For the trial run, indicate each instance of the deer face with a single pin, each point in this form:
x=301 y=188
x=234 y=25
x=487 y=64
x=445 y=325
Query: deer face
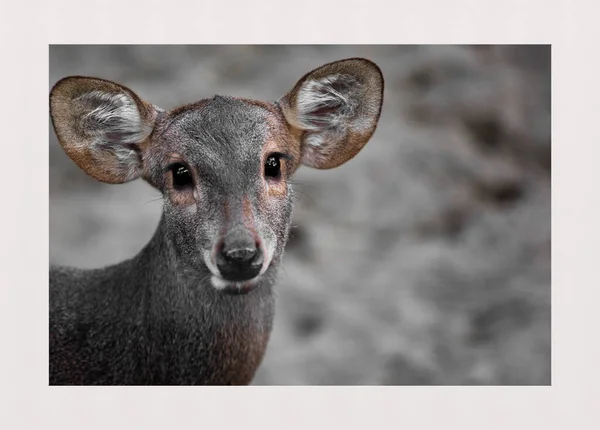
x=223 y=164
x=223 y=169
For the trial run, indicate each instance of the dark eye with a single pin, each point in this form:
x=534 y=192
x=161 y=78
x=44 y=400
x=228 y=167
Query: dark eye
x=182 y=177
x=273 y=166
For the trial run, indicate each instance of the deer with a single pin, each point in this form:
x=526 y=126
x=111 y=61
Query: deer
x=196 y=305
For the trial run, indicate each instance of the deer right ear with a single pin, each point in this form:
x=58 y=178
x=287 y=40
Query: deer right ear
x=336 y=107
x=101 y=125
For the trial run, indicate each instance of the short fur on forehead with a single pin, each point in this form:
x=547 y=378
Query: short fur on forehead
x=337 y=106
x=100 y=125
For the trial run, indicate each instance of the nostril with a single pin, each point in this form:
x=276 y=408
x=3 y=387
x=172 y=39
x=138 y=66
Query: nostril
x=240 y=255
x=258 y=259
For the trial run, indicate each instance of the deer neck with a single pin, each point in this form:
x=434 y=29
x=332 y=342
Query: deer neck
x=212 y=337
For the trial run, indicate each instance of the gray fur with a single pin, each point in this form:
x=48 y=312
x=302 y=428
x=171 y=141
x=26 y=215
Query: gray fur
x=146 y=321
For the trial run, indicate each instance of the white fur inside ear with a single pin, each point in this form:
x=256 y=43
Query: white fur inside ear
x=327 y=106
x=115 y=125
x=114 y=119
x=316 y=140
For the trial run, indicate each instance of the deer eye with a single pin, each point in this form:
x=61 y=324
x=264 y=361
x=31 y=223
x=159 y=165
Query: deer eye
x=273 y=166
x=182 y=178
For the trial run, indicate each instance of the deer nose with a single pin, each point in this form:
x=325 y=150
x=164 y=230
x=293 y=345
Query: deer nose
x=239 y=262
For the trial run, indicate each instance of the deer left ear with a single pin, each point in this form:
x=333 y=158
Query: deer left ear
x=337 y=106
x=100 y=125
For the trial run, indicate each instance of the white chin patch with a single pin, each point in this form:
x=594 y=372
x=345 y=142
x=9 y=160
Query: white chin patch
x=222 y=284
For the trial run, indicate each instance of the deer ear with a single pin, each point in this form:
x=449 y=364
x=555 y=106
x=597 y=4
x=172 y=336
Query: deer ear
x=101 y=125
x=337 y=107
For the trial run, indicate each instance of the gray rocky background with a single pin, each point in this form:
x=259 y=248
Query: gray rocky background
x=424 y=260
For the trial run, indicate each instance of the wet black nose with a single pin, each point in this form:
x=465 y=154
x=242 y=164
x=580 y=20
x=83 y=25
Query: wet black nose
x=239 y=263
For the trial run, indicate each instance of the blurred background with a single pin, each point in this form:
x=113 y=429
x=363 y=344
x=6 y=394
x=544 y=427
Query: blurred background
x=424 y=260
